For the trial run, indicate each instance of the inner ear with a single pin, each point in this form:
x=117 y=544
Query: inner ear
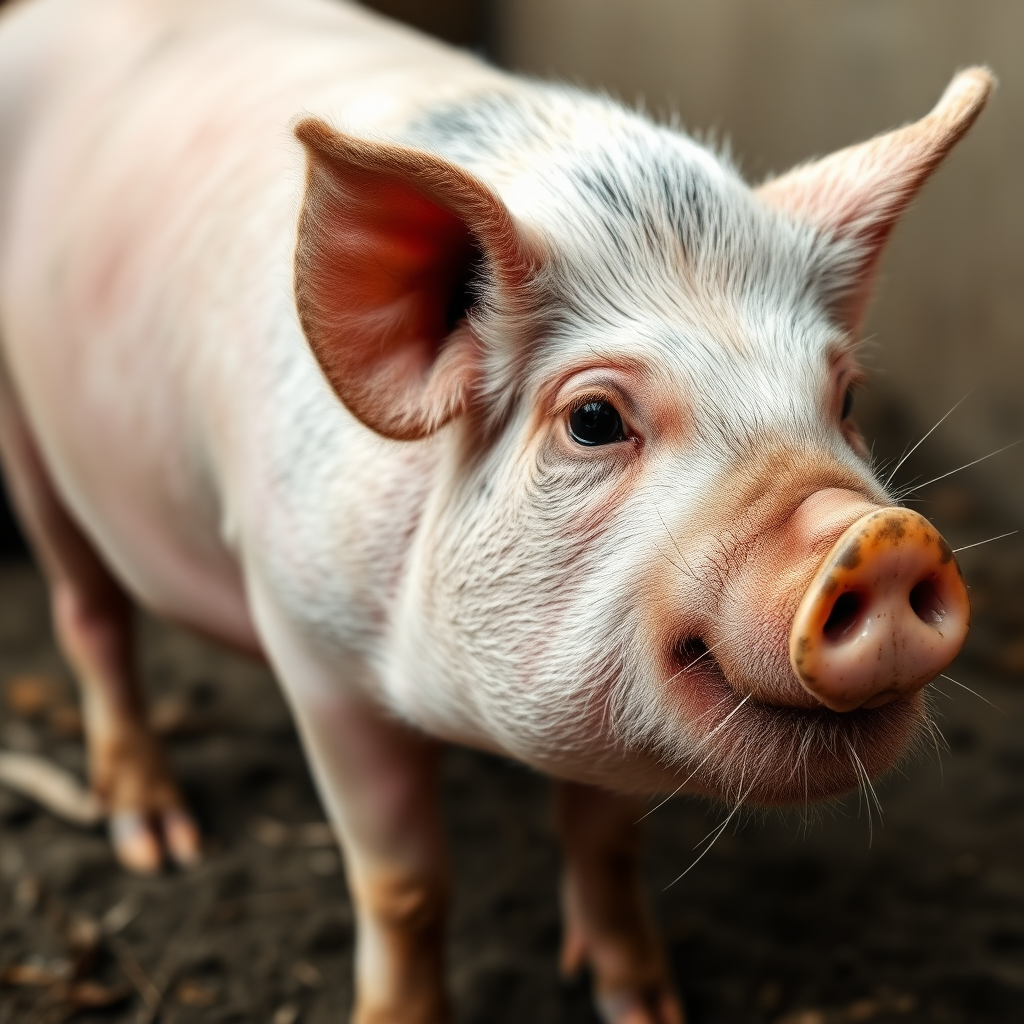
x=465 y=285
x=394 y=245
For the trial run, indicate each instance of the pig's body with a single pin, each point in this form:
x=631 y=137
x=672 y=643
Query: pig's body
x=168 y=426
x=167 y=130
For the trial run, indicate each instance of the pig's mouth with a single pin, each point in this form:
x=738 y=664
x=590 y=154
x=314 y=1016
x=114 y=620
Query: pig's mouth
x=753 y=750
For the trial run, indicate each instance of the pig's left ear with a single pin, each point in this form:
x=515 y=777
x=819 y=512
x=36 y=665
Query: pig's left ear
x=388 y=239
x=856 y=195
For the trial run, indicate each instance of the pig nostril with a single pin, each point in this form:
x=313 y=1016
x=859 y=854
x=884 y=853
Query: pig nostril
x=843 y=617
x=924 y=599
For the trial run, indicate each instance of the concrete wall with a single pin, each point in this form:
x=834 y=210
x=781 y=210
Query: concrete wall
x=788 y=79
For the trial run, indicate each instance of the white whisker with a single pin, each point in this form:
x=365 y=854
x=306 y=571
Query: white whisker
x=870 y=796
x=706 y=739
x=717 y=832
x=941 y=735
x=938 y=750
x=802 y=756
x=950 y=679
x=714 y=836
x=664 y=800
x=896 y=468
x=978 y=543
x=872 y=792
x=967 y=465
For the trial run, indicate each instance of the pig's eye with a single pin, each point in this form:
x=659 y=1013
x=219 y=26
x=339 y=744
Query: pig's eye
x=595 y=423
x=847 y=403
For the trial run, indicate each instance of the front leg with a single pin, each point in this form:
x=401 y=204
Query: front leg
x=607 y=922
x=378 y=782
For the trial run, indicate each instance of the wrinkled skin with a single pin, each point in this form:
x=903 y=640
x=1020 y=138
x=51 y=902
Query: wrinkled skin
x=485 y=411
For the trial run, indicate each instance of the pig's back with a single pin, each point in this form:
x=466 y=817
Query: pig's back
x=149 y=186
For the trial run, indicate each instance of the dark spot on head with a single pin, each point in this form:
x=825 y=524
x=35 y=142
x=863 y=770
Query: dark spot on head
x=605 y=189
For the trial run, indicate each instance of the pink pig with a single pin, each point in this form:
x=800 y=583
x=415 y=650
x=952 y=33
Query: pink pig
x=486 y=411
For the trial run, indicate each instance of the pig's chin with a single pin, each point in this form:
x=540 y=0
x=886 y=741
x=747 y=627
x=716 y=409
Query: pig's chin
x=753 y=751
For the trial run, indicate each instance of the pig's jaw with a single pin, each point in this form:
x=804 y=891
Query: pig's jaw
x=751 y=751
x=687 y=731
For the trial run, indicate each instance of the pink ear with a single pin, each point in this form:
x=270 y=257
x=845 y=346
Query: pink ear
x=387 y=236
x=857 y=194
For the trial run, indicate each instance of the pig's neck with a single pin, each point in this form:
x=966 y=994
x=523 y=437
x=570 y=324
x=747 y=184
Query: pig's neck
x=329 y=514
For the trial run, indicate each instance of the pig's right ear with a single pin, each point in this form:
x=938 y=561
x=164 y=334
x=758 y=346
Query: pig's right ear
x=856 y=195
x=388 y=239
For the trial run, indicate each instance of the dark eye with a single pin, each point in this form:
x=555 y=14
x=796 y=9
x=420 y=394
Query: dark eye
x=595 y=423
x=847 y=402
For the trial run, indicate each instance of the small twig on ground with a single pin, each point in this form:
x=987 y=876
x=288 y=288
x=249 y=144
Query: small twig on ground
x=151 y=995
x=53 y=787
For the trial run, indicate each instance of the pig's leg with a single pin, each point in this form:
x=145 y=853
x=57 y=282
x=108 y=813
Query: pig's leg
x=378 y=781
x=93 y=622
x=607 y=922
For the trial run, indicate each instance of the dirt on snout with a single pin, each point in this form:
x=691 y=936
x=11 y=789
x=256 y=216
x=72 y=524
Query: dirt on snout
x=917 y=916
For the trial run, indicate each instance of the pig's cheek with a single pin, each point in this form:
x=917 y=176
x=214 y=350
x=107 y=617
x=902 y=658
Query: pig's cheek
x=576 y=496
x=558 y=449
x=560 y=521
x=753 y=651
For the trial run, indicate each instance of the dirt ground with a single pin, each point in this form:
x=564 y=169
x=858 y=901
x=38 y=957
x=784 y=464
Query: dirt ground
x=779 y=923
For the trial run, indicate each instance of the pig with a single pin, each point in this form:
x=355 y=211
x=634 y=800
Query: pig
x=486 y=411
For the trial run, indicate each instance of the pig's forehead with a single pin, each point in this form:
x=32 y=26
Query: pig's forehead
x=625 y=206
x=750 y=361
x=639 y=222
x=667 y=237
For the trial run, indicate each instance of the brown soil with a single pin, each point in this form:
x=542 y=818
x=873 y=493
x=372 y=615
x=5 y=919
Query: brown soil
x=779 y=922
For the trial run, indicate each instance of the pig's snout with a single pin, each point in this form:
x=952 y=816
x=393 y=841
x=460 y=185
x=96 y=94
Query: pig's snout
x=885 y=613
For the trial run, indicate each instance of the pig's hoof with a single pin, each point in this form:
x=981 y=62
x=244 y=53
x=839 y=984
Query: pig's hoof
x=628 y=989
x=146 y=815
x=140 y=838
x=657 y=1006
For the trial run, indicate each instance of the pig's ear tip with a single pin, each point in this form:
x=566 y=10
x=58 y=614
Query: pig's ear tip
x=980 y=74
x=314 y=133
x=969 y=90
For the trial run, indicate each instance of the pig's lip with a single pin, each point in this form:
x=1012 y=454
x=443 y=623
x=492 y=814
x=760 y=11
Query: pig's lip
x=770 y=755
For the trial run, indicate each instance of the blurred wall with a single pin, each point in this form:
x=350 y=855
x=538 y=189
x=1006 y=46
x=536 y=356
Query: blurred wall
x=461 y=22
x=787 y=79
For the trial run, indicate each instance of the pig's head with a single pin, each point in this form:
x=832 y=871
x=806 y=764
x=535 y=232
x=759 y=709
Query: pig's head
x=655 y=553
